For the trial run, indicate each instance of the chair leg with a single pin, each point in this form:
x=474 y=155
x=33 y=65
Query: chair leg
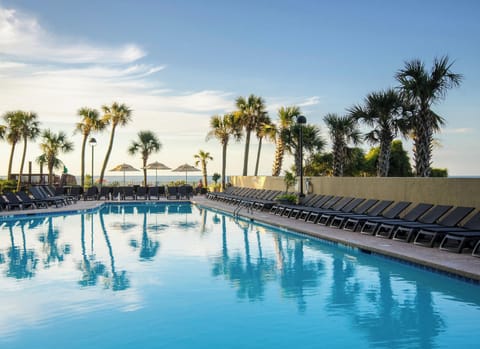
x=476 y=249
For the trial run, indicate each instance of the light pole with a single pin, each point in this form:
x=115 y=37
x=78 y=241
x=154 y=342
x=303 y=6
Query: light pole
x=301 y=120
x=93 y=143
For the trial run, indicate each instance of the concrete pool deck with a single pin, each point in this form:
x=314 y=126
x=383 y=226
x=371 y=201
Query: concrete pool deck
x=463 y=265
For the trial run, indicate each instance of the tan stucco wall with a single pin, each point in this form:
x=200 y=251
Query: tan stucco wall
x=446 y=191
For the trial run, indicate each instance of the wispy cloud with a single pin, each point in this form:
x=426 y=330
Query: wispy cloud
x=458 y=130
x=22 y=37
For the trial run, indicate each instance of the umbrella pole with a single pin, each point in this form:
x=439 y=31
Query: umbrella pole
x=185 y=177
x=123 y=177
x=156 y=182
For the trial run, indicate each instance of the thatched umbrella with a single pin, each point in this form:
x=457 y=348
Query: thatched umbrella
x=157 y=166
x=124 y=168
x=186 y=168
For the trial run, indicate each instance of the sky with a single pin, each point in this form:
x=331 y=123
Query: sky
x=177 y=63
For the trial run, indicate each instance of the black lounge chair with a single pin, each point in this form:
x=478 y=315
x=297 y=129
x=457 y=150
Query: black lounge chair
x=27 y=199
x=117 y=193
x=409 y=232
x=156 y=192
x=91 y=194
x=349 y=221
x=268 y=201
x=335 y=204
x=142 y=192
x=298 y=209
x=356 y=223
x=52 y=193
x=453 y=239
x=171 y=192
x=129 y=192
x=305 y=201
x=384 y=227
x=356 y=206
x=325 y=201
x=76 y=192
x=104 y=193
x=39 y=194
x=13 y=201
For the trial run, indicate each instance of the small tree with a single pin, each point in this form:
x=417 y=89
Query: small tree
x=216 y=177
x=290 y=180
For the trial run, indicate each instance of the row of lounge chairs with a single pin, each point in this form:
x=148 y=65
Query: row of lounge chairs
x=453 y=229
x=139 y=193
x=38 y=197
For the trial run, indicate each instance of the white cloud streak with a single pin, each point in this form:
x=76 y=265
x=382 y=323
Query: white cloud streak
x=22 y=37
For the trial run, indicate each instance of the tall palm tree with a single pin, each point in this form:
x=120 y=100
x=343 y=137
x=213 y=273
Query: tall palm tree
x=13 y=134
x=384 y=112
x=202 y=158
x=286 y=118
x=222 y=128
x=116 y=114
x=343 y=130
x=265 y=130
x=311 y=140
x=90 y=122
x=252 y=111
x=29 y=130
x=147 y=144
x=52 y=145
x=422 y=89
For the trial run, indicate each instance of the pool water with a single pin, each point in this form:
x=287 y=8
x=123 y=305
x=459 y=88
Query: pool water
x=180 y=276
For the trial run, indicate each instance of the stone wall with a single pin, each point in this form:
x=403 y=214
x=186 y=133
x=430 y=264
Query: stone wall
x=446 y=191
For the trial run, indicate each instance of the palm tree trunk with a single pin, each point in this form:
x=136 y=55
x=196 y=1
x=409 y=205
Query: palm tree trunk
x=22 y=162
x=107 y=155
x=384 y=158
x=247 y=148
x=145 y=160
x=82 y=167
x=224 y=164
x=204 y=170
x=10 y=161
x=422 y=148
x=50 y=172
x=279 y=151
x=258 y=155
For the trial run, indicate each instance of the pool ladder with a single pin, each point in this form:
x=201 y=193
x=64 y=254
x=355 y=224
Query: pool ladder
x=237 y=210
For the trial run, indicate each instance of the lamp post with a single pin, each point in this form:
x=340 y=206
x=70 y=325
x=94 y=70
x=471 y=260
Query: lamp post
x=93 y=143
x=301 y=120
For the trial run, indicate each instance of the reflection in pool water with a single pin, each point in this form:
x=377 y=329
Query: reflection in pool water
x=179 y=276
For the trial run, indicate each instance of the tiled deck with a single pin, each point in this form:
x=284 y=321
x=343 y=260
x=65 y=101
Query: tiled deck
x=463 y=265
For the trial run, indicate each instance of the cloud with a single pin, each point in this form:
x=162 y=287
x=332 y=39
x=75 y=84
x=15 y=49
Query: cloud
x=458 y=130
x=22 y=37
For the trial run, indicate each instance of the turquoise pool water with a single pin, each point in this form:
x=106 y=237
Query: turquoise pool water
x=178 y=276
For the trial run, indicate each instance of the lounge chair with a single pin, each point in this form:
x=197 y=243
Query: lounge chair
x=287 y=209
x=356 y=206
x=408 y=232
x=172 y=191
x=349 y=221
x=129 y=192
x=117 y=193
x=142 y=192
x=12 y=201
x=476 y=250
x=104 y=193
x=453 y=239
x=268 y=201
x=324 y=202
x=39 y=194
x=27 y=199
x=91 y=194
x=335 y=204
x=381 y=226
x=76 y=192
x=355 y=223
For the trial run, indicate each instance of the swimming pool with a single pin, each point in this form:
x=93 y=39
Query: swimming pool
x=179 y=276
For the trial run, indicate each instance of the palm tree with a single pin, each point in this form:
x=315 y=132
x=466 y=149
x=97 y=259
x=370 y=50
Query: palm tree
x=29 y=130
x=384 y=112
x=202 y=158
x=286 y=118
x=116 y=114
x=222 y=128
x=343 y=130
x=422 y=89
x=312 y=142
x=52 y=145
x=251 y=111
x=90 y=122
x=265 y=130
x=147 y=144
x=13 y=135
